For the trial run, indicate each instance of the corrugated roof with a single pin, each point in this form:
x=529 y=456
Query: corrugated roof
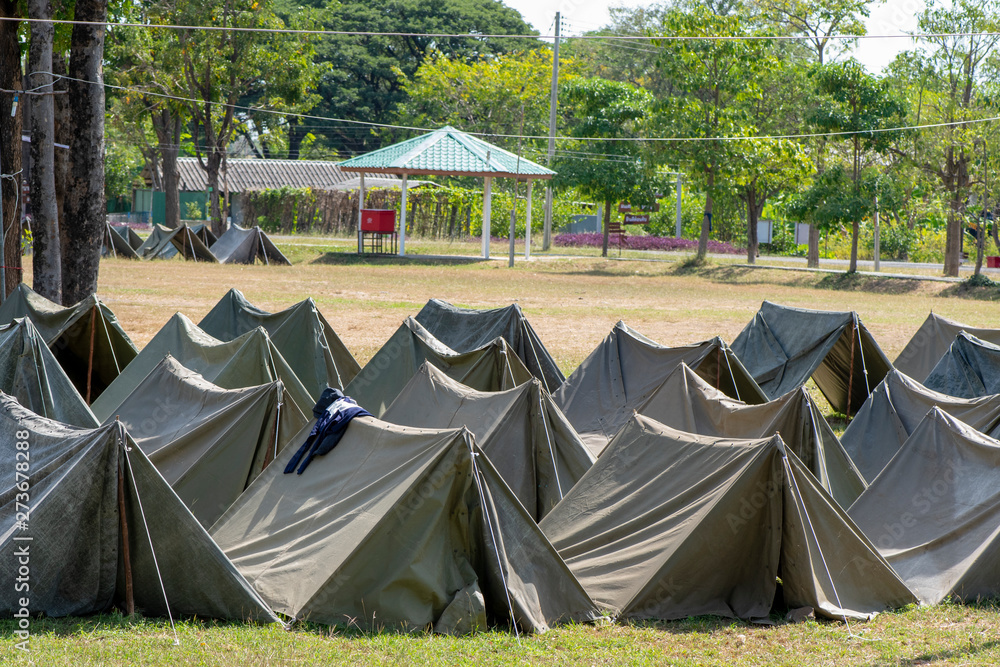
x=251 y=174
x=447 y=152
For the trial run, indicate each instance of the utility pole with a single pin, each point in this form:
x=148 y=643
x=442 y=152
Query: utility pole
x=679 y=225
x=547 y=226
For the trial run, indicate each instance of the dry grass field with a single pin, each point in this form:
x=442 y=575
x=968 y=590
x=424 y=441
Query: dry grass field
x=572 y=303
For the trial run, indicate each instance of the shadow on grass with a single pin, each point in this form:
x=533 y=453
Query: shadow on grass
x=948 y=656
x=981 y=289
x=354 y=259
x=853 y=282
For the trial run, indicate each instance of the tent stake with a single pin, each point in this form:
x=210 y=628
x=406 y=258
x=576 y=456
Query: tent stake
x=850 y=376
x=129 y=597
x=90 y=360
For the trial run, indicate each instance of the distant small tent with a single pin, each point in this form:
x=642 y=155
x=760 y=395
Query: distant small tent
x=305 y=338
x=687 y=403
x=526 y=436
x=246 y=246
x=931 y=341
x=80 y=478
x=896 y=408
x=668 y=525
x=399 y=527
x=209 y=443
x=166 y=243
x=933 y=512
x=970 y=368
x=492 y=367
x=619 y=376
x=115 y=242
x=464 y=329
x=85 y=338
x=783 y=347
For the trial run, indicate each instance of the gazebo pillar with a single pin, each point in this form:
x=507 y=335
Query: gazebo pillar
x=361 y=206
x=487 y=206
x=402 y=218
x=527 y=224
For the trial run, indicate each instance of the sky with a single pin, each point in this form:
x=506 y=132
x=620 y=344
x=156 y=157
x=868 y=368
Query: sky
x=893 y=17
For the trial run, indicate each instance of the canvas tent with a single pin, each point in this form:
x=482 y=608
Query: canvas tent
x=116 y=243
x=166 y=243
x=209 y=443
x=85 y=338
x=30 y=373
x=247 y=361
x=931 y=341
x=527 y=438
x=127 y=233
x=618 y=377
x=79 y=480
x=300 y=332
x=464 y=329
x=895 y=409
x=970 y=368
x=668 y=525
x=687 y=403
x=246 y=246
x=398 y=527
x=492 y=367
x=205 y=233
x=933 y=512
x=783 y=347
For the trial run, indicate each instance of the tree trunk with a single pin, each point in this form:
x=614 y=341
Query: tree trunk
x=10 y=144
x=752 y=217
x=812 y=257
x=86 y=208
x=953 y=237
x=855 y=229
x=856 y=225
x=213 y=163
x=47 y=261
x=168 y=133
x=296 y=133
x=706 y=221
x=607 y=225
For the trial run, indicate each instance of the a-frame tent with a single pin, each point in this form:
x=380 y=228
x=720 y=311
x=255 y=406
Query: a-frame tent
x=526 y=436
x=668 y=525
x=783 y=347
x=305 y=338
x=896 y=408
x=116 y=244
x=399 y=527
x=931 y=341
x=492 y=367
x=85 y=338
x=165 y=243
x=687 y=403
x=209 y=443
x=464 y=329
x=246 y=246
x=204 y=232
x=80 y=481
x=623 y=371
x=970 y=368
x=934 y=510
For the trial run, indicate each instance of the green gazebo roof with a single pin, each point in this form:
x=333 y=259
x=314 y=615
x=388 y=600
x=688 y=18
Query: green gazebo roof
x=446 y=152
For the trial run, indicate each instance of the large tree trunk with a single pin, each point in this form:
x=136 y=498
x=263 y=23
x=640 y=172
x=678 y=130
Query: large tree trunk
x=10 y=145
x=607 y=226
x=953 y=237
x=214 y=165
x=86 y=207
x=752 y=217
x=812 y=256
x=856 y=225
x=706 y=221
x=47 y=261
x=168 y=133
x=296 y=133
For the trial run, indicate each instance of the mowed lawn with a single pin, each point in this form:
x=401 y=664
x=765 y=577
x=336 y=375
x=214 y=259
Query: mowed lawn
x=572 y=303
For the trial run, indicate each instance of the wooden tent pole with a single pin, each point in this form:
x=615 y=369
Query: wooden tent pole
x=129 y=596
x=850 y=376
x=90 y=360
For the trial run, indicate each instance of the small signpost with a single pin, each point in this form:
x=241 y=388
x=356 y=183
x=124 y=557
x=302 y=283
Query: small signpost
x=625 y=207
x=636 y=219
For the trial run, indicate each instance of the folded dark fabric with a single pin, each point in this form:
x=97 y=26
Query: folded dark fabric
x=334 y=413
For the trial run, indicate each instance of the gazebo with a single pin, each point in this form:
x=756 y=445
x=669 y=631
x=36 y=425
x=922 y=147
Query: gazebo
x=447 y=152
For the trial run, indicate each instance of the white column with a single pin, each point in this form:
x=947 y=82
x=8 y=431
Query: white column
x=527 y=225
x=487 y=206
x=361 y=205
x=402 y=218
x=680 y=203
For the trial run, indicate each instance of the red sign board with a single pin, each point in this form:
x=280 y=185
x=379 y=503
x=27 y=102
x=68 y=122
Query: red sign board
x=625 y=207
x=631 y=219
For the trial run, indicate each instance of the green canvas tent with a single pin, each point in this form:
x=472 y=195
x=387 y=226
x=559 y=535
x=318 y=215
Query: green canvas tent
x=205 y=233
x=783 y=347
x=687 y=403
x=209 y=443
x=931 y=341
x=30 y=373
x=526 y=436
x=77 y=481
x=85 y=338
x=970 y=368
x=127 y=233
x=399 y=527
x=166 y=243
x=246 y=246
x=464 y=329
x=895 y=409
x=933 y=511
x=116 y=244
x=492 y=367
x=306 y=340
x=668 y=524
x=247 y=361
x=623 y=371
